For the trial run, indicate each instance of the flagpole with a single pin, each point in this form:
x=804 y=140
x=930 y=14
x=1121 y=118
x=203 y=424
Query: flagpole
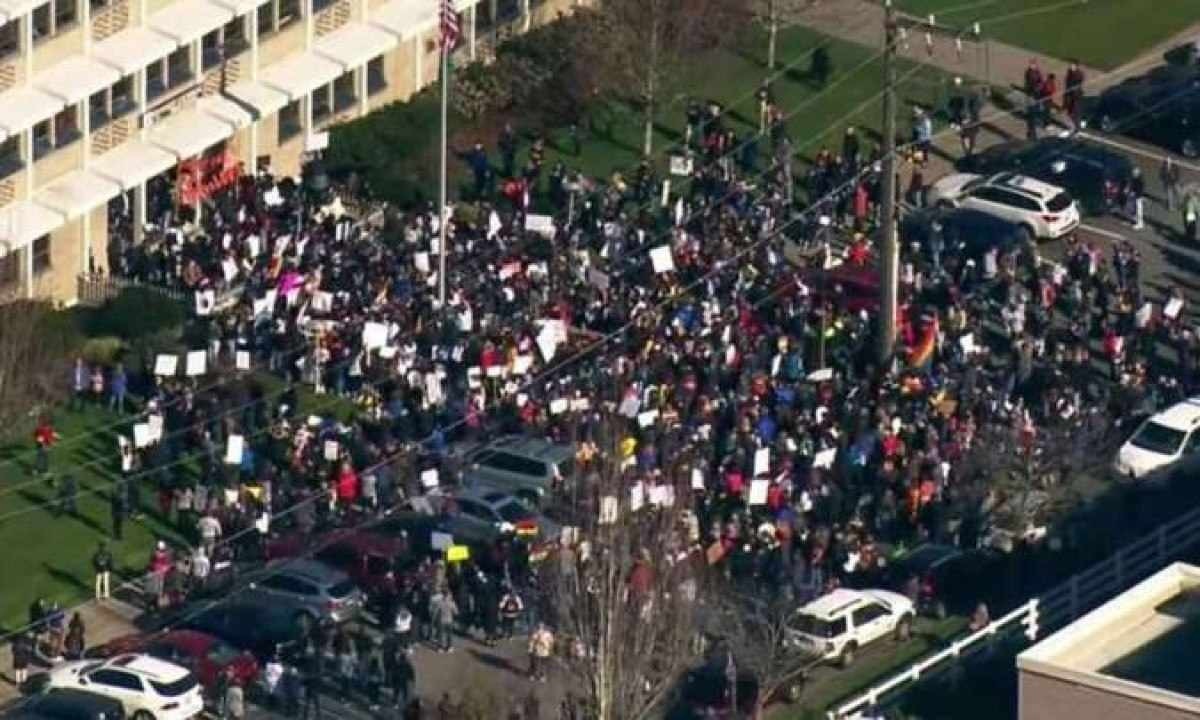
x=442 y=189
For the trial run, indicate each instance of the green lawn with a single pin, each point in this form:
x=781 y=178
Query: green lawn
x=1101 y=33
x=50 y=556
x=818 y=115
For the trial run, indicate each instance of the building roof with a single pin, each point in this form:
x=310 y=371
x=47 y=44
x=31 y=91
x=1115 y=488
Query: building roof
x=186 y=21
x=76 y=78
x=353 y=44
x=300 y=73
x=1133 y=645
x=23 y=108
x=262 y=99
x=12 y=9
x=77 y=192
x=188 y=133
x=133 y=48
x=132 y=163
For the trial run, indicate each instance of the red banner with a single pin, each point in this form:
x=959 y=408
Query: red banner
x=204 y=177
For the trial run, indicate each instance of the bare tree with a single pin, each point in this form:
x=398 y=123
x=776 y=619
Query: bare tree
x=624 y=597
x=642 y=45
x=34 y=346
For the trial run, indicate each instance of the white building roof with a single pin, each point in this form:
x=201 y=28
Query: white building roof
x=22 y=222
x=77 y=192
x=133 y=48
x=240 y=7
x=189 y=133
x=265 y=100
x=225 y=110
x=353 y=44
x=20 y=109
x=11 y=9
x=405 y=18
x=76 y=78
x=299 y=74
x=185 y=21
x=132 y=163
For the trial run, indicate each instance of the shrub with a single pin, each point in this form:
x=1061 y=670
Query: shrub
x=103 y=350
x=136 y=313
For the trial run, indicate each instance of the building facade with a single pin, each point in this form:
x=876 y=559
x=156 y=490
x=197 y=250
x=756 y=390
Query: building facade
x=99 y=97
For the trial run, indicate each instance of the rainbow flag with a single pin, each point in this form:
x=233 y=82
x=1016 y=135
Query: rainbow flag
x=921 y=353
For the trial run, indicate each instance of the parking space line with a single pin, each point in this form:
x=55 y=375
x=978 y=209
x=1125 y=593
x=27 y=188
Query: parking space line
x=1101 y=231
x=1140 y=151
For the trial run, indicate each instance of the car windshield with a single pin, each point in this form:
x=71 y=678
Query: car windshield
x=222 y=654
x=1158 y=438
x=514 y=512
x=810 y=625
x=342 y=589
x=176 y=688
x=972 y=184
x=1059 y=202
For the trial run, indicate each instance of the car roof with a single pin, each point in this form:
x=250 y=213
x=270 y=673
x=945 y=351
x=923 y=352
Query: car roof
x=530 y=447
x=834 y=603
x=77 y=696
x=313 y=571
x=1025 y=185
x=1183 y=415
x=148 y=666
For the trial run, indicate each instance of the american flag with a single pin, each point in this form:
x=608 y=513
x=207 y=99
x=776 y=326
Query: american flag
x=451 y=28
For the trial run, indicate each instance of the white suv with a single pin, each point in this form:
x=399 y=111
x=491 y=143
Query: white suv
x=1167 y=442
x=833 y=627
x=148 y=688
x=1044 y=210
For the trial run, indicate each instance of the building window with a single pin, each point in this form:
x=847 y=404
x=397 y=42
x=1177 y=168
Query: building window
x=10 y=156
x=64 y=14
x=210 y=50
x=179 y=67
x=99 y=4
x=53 y=18
x=289 y=12
x=289 y=121
x=43 y=139
x=98 y=115
x=66 y=127
x=376 y=77
x=43 y=22
x=10 y=267
x=234 y=36
x=41 y=255
x=223 y=43
x=10 y=38
x=322 y=105
x=122 y=102
x=266 y=19
x=156 y=79
x=345 y=92
x=319 y=5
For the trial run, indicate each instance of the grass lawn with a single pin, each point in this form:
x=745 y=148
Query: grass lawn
x=1100 y=33
x=612 y=136
x=50 y=556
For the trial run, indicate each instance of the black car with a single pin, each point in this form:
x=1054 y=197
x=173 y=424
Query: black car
x=1092 y=174
x=948 y=580
x=260 y=629
x=965 y=232
x=1159 y=107
x=69 y=704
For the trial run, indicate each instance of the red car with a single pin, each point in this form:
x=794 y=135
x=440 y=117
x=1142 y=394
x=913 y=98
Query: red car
x=206 y=656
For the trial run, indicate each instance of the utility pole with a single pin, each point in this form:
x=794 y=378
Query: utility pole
x=890 y=251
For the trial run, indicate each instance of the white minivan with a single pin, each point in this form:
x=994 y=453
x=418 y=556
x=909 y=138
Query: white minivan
x=836 y=625
x=1167 y=442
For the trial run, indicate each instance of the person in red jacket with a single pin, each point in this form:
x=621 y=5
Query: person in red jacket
x=346 y=486
x=43 y=437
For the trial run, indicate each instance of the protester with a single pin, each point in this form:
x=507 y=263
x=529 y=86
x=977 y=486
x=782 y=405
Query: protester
x=102 y=565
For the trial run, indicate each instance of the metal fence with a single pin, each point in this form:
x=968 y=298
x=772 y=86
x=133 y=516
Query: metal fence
x=1054 y=608
x=95 y=290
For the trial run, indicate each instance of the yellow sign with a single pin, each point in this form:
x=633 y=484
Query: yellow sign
x=457 y=553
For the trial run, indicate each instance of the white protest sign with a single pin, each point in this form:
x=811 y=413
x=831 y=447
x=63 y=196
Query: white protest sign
x=967 y=343
x=1144 y=314
x=429 y=478
x=141 y=435
x=197 y=363
x=521 y=364
x=1172 y=308
x=421 y=261
x=495 y=371
x=637 y=496
x=540 y=224
x=598 y=279
x=758 y=492
x=558 y=406
x=646 y=419
x=697 y=479
x=580 y=404
x=473 y=377
x=825 y=458
x=681 y=165
x=155 y=422
x=662 y=259
x=547 y=342
x=229 y=268
x=322 y=301
x=331 y=450
x=206 y=300
x=609 y=509
x=762 y=461
x=265 y=305
x=235 y=446
x=822 y=375
x=242 y=359
x=374 y=335
x=166 y=365
x=440 y=540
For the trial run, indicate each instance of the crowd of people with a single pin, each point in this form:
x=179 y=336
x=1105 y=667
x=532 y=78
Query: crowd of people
x=715 y=326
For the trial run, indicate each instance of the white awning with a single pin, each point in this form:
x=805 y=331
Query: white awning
x=23 y=108
x=225 y=110
x=22 y=222
x=299 y=74
x=405 y=18
x=240 y=7
x=77 y=192
x=353 y=44
x=186 y=21
x=13 y=9
x=132 y=163
x=262 y=99
x=133 y=49
x=189 y=133
x=76 y=78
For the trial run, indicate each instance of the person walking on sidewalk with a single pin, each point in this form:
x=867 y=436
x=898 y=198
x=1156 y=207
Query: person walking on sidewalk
x=1073 y=94
x=102 y=565
x=1135 y=194
x=1168 y=173
x=1191 y=214
x=541 y=644
x=444 y=611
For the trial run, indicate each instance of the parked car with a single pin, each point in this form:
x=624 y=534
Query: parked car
x=208 y=657
x=850 y=287
x=836 y=625
x=370 y=559
x=62 y=703
x=483 y=516
x=526 y=467
x=261 y=629
x=1091 y=173
x=967 y=233
x=306 y=587
x=705 y=693
x=1165 y=443
x=948 y=580
x=1158 y=106
x=1043 y=210
x=146 y=687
